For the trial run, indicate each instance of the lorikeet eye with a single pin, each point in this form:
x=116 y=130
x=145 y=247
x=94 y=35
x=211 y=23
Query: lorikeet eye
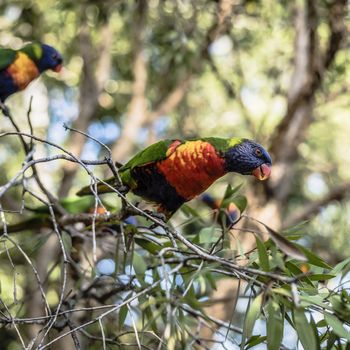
x=54 y=56
x=258 y=152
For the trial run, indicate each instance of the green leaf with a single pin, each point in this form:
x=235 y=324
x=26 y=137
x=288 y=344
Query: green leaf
x=314 y=328
x=149 y=314
x=230 y=191
x=294 y=270
x=320 y=277
x=340 y=306
x=139 y=264
x=263 y=257
x=274 y=325
x=151 y=247
x=314 y=300
x=255 y=340
x=286 y=246
x=332 y=338
x=339 y=267
x=38 y=242
x=337 y=326
x=321 y=324
x=250 y=318
x=304 y=330
x=241 y=202
x=312 y=258
x=207 y=235
x=123 y=311
x=190 y=212
x=67 y=241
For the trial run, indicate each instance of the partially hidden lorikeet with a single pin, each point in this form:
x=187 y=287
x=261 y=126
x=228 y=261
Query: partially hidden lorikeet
x=231 y=211
x=19 y=67
x=172 y=172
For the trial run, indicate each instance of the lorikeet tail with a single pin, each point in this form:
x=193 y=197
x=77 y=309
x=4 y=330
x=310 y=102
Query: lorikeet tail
x=101 y=188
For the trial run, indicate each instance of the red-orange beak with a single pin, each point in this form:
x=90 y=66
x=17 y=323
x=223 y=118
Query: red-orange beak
x=262 y=172
x=58 y=68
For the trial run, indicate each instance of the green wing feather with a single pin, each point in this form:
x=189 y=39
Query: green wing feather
x=151 y=154
x=7 y=56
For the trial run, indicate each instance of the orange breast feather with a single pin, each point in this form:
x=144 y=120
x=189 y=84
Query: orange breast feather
x=192 y=168
x=23 y=70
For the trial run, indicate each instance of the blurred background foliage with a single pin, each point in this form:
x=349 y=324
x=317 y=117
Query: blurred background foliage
x=135 y=72
x=239 y=87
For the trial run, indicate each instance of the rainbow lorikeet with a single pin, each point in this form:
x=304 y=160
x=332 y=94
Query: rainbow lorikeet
x=172 y=172
x=19 y=67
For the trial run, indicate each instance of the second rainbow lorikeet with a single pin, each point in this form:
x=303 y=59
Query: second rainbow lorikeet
x=231 y=211
x=172 y=172
x=19 y=67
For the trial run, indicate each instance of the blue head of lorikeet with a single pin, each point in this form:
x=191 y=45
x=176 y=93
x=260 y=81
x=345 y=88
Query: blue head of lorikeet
x=248 y=158
x=19 y=67
x=50 y=59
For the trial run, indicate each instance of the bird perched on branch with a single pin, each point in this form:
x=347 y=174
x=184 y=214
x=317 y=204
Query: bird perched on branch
x=172 y=172
x=19 y=67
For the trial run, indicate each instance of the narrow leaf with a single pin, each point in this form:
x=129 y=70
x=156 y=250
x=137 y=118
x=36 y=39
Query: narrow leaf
x=263 y=257
x=151 y=247
x=207 y=235
x=274 y=325
x=286 y=246
x=337 y=326
x=339 y=267
x=139 y=264
x=123 y=311
x=304 y=330
x=230 y=191
x=255 y=340
x=283 y=243
x=67 y=241
x=250 y=318
x=241 y=202
x=312 y=258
